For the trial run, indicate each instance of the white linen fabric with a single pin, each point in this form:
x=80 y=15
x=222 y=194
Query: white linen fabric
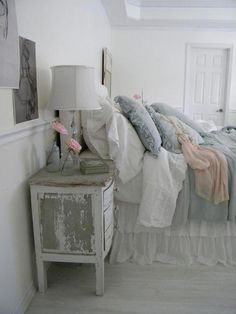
x=96 y=144
x=207 y=126
x=110 y=135
x=97 y=128
x=101 y=90
x=195 y=242
x=131 y=191
x=162 y=180
x=128 y=151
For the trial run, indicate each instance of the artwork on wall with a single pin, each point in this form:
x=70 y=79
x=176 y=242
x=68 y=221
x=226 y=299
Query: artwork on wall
x=9 y=45
x=25 y=98
x=107 y=69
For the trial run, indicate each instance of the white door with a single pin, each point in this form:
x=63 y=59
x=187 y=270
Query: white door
x=207 y=84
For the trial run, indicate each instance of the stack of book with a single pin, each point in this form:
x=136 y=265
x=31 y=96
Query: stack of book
x=91 y=166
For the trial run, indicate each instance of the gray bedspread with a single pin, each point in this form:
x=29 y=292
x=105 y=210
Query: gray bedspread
x=191 y=206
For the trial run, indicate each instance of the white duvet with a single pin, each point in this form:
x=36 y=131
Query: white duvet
x=162 y=181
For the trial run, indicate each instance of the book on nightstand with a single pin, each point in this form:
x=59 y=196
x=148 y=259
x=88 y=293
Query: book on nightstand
x=92 y=166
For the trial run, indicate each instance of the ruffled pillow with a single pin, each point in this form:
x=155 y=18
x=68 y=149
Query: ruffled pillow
x=167 y=110
x=142 y=122
x=167 y=130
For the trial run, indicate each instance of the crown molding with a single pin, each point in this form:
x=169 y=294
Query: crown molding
x=205 y=25
x=122 y=15
x=183 y=3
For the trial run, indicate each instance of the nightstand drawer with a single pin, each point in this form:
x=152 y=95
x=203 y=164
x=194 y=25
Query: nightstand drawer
x=108 y=217
x=108 y=196
x=108 y=237
x=66 y=222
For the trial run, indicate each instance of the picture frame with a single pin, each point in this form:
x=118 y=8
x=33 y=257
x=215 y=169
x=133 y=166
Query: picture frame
x=26 y=97
x=9 y=45
x=107 y=69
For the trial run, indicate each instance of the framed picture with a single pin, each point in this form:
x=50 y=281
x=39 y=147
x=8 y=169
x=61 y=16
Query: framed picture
x=107 y=69
x=9 y=45
x=25 y=98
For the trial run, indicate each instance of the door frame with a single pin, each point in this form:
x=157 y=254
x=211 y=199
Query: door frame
x=229 y=50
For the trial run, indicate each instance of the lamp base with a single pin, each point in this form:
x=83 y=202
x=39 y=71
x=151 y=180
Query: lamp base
x=73 y=127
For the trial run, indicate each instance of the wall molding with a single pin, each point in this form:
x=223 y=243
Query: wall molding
x=133 y=14
x=181 y=109
x=183 y=3
x=23 y=130
x=171 y=24
x=26 y=300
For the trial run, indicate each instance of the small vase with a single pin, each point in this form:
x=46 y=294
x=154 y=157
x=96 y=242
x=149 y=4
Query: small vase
x=69 y=164
x=53 y=160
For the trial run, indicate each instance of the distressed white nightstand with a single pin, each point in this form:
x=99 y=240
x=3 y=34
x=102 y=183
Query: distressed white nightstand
x=72 y=220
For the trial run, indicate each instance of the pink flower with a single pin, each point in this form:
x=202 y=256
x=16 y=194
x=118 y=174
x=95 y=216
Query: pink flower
x=136 y=96
x=74 y=145
x=59 y=127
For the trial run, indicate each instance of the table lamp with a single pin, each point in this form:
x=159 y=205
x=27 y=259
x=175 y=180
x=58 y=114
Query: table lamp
x=73 y=89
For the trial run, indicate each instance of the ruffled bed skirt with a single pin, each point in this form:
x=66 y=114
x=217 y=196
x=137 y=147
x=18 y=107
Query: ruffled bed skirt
x=195 y=242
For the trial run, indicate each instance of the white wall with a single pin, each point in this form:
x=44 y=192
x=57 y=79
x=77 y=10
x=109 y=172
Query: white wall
x=65 y=32
x=154 y=60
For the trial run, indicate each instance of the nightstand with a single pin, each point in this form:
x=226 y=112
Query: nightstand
x=72 y=220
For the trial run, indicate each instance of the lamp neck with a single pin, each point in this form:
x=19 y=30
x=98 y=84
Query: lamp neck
x=73 y=126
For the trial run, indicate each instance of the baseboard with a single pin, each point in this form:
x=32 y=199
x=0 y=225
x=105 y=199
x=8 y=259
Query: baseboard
x=26 y=300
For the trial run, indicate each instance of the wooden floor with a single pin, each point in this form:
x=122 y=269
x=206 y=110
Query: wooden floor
x=130 y=288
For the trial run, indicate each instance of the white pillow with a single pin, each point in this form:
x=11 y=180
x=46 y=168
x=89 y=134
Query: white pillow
x=96 y=125
x=110 y=135
x=128 y=151
x=97 y=142
x=101 y=90
x=207 y=126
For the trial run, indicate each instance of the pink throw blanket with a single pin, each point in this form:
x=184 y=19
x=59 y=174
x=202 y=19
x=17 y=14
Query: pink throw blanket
x=210 y=170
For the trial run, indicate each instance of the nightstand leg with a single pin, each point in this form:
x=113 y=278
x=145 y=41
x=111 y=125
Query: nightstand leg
x=42 y=275
x=100 y=277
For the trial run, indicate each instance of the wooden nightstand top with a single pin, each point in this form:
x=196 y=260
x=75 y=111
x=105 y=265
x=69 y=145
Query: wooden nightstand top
x=55 y=178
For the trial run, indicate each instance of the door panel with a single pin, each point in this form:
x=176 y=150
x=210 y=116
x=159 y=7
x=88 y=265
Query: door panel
x=215 y=89
x=207 y=83
x=199 y=87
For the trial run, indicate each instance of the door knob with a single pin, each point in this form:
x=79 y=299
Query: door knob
x=220 y=110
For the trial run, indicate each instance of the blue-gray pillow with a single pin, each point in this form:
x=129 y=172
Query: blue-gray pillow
x=142 y=123
x=167 y=110
x=165 y=126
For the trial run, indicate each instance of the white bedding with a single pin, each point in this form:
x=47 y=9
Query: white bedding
x=155 y=188
x=195 y=242
x=162 y=180
x=130 y=192
x=128 y=154
x=202 y=242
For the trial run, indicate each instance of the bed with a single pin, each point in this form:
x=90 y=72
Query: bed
x=196 y=230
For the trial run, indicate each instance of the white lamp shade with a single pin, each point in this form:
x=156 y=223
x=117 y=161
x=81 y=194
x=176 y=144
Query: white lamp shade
x=73 y=88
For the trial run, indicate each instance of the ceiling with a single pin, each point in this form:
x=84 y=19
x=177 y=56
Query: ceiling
x=197 y=14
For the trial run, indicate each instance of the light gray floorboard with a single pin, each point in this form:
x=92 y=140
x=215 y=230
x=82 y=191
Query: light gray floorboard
x=131 y=288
